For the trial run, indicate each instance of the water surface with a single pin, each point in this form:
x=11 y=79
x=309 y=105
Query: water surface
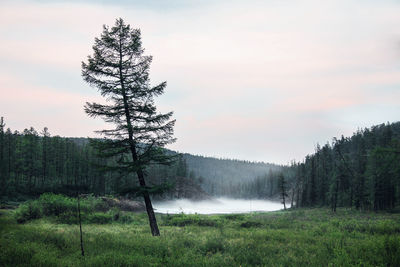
x=216 y=206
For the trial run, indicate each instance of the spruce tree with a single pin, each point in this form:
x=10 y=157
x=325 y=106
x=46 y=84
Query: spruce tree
x=120 y=71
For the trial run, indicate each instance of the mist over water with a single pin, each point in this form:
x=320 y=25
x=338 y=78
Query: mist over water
x=216 y=206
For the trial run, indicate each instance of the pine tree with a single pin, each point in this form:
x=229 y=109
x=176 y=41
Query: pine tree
x=120 y=72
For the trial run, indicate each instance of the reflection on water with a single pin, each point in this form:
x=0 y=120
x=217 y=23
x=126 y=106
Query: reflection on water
x=218 y=205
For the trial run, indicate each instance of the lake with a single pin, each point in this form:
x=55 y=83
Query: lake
x=216 y=206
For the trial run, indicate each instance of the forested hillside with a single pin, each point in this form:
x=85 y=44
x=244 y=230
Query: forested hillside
x=361 y=171
x=33 y=162
x=228 y=177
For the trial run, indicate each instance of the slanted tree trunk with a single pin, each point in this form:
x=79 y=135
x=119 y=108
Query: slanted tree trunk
x=147 y=201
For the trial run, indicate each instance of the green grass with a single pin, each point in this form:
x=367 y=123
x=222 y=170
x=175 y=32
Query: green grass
x=309 y=237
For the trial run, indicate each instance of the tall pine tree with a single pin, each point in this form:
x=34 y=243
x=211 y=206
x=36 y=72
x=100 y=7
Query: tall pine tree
x=120 y=72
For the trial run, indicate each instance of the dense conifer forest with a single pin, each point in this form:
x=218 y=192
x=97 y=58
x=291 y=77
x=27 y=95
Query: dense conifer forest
x=361 y=171
x=34 y=162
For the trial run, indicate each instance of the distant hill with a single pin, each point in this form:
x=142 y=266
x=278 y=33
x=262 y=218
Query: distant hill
x=220 y=176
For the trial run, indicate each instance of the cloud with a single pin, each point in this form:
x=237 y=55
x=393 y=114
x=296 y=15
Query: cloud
x=258 y=80
x=26 y=105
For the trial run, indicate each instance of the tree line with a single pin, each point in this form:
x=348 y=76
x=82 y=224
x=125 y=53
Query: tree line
x=33 y=162
x=230 y=177
x=361 y=171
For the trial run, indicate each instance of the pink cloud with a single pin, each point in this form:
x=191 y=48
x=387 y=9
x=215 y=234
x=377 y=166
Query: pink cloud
x=24 y=105
x=258 y=72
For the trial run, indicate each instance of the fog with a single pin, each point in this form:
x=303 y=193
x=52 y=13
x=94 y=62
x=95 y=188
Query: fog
x=216 y=206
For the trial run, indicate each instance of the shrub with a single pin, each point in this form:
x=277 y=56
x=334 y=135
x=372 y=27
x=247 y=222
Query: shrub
x=28 y=211
x=54 y=205
x=63 y=209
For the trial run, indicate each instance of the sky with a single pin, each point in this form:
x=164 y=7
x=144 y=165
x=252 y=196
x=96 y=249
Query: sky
x=252 y=80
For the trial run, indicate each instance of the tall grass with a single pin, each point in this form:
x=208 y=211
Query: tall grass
x=309 y=237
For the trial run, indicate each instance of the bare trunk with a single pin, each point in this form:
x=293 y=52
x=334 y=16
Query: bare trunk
x=335 y=197
x=80 y=226
x=147 y=201
x=291 y=201
x=284 y=203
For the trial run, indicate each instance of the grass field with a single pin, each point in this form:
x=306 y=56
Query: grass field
x=305 y=237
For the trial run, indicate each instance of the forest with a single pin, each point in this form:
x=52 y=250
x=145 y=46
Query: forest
x=35 y=162
x=361 y=171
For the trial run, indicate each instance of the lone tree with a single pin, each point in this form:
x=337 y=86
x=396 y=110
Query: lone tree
x=120 y=71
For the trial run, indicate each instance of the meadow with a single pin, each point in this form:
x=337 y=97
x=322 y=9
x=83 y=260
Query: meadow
x=32 y=236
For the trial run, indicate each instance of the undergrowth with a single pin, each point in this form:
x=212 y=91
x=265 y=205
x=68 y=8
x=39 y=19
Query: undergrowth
x=63 y=209
x=306 y=237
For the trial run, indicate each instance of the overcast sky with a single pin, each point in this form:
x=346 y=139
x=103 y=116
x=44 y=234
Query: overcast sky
x=256 y=80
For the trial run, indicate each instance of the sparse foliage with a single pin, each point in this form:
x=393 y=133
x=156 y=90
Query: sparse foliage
x=120 y=71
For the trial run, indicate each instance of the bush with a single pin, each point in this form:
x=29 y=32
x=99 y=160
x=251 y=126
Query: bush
x=54 y=205
x=27 y=212
x=64 y=209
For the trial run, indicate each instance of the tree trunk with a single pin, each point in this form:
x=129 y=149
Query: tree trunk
x=147 y=201
x=140 y=174
x=291 y=201
x=335 y=197
x=80 y=226
x=298 y=198
x=284 y=202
